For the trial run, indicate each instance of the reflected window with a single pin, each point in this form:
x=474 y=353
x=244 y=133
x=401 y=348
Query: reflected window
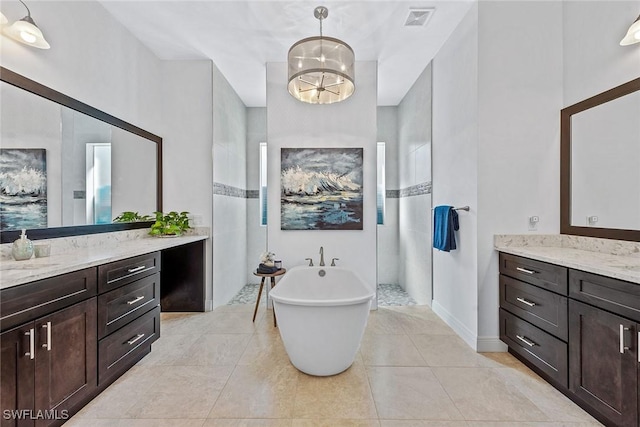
x=263 y=183
x=98 y=190
x=381 y=187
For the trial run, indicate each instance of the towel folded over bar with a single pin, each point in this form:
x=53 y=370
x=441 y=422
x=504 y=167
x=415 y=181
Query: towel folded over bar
x=445 y=223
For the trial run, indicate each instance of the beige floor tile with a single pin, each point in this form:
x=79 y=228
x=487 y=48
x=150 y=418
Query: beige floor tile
x=390 y=350
x=90 y=422
x=215 y=349
x=178 y=323
x=421 y=320
x=383 y=321
x=247 y=423
x=164 y=422
x=174 y=404
x=335 y=423
x=410 y=393
x=168 y=349
x=343 y=396
x=264 y=349
x=449 y=350
x=527 y=424
x=422 y=423
x=232 y=322
x=482 y=395
x=189 y=379
x=255 y=391
x=549 y=400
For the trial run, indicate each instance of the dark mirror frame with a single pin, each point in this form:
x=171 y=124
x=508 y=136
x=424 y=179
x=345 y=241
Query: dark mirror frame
x=565 y=165
x=36 y=88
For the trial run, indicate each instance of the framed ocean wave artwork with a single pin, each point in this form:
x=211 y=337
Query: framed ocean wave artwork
x=321 y=188
x=23 y=188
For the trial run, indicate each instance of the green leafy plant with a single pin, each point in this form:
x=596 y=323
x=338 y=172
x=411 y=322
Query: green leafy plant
x=128 y=216
x=170 y=224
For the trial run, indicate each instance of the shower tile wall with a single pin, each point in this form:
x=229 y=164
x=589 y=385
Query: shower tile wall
x=256 y=233
x=229 y=188
x=414 y=160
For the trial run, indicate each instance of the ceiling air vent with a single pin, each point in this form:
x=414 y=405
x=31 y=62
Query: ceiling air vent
x=418 y=17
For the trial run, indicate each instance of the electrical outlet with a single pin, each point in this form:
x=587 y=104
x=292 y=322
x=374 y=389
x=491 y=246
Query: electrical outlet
x=592 y=220
x=533 y=222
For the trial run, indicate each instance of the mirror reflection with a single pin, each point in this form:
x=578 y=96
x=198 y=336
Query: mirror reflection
x=605 y=165
x=60 y=167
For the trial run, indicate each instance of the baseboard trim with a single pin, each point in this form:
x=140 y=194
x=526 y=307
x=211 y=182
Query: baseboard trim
x=459 y=328
x=491 y=345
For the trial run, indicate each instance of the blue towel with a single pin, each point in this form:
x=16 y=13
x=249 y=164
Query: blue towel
x=445 y=222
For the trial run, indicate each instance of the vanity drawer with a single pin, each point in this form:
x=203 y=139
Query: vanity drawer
x=543 y=350
x=119 y=273
x=118 y=307
x=548 y=276
x=120 y=350
x=617 y=296
x=545 y=309
x=23 y=303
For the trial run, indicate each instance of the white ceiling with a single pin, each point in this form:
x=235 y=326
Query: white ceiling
x=242 y=36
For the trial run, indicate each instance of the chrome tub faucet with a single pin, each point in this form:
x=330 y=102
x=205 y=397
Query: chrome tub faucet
x=321 y=256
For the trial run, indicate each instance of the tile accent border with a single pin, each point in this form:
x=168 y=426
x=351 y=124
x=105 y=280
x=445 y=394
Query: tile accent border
x=415 y=190
x=231 y=191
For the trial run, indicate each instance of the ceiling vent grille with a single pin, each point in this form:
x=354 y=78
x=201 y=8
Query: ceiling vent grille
x=418 y=17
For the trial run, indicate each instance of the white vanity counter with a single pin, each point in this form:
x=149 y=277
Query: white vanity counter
x=77 y=253
x=612 y=258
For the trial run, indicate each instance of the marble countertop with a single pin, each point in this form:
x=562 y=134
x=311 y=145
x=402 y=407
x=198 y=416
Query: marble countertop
x=586 y=254
x=13 y=273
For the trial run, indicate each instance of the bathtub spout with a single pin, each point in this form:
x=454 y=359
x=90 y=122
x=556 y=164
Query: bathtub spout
x=321 y=256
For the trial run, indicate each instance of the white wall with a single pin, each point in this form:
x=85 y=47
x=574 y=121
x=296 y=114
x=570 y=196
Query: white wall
x=501 y=95
x=93 y=58
x=455 y=173
x=351 y=123
x=414 y=160
x=229 y=207
x=256 y=233
x=187 y=95
x=388 y=233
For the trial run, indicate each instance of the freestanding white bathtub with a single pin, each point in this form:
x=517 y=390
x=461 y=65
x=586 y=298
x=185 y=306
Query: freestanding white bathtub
x=322 y=313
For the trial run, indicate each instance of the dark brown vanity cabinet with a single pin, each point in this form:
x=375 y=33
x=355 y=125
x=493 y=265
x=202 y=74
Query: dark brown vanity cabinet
x=584 y=342
x=48 y=363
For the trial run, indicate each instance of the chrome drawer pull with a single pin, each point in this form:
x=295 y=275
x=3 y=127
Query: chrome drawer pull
x=526 y=341
x=524 y=270
x=136 y=339
x=622 y=346
x=32 y=344
x=135 y=270
x=524 y=301
x=135 y=300
x=47 y=345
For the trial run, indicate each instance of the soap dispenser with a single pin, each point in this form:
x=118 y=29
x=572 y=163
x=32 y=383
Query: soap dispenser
x=22 y=248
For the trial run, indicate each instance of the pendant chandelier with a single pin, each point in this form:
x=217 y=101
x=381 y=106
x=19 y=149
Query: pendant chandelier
x=321 y=69
x=633 y=35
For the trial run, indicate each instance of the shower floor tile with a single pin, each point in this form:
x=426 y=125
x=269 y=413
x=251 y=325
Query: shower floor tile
x=388 y=295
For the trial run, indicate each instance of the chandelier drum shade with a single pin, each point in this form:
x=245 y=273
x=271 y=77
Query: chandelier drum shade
x=321 y=69
x=633 y=34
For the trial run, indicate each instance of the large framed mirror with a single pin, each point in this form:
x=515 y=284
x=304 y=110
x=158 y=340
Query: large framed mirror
x=67 y=168
x=600 y=165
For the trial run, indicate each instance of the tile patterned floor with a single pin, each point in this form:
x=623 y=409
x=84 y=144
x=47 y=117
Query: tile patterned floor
x=389 y=295
x=219 y=369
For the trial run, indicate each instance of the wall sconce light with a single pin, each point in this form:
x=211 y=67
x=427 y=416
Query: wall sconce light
x=3 y=19
x=26 y=31
x=633 y=35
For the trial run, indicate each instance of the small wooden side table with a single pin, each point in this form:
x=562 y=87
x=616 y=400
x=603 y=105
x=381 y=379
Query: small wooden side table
x=273 y=283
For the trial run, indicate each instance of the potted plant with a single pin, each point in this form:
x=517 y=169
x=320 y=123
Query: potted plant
x=129 y=216
x=170 y=224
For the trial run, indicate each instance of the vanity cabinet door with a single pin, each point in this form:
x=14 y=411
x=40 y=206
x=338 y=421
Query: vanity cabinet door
x=66 y=358
x=603 y=362
x=16 y=378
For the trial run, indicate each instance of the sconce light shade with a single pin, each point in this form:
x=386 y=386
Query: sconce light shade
x=26 y=31
x=3 y=19
x=321 y=69
x=633 y=35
